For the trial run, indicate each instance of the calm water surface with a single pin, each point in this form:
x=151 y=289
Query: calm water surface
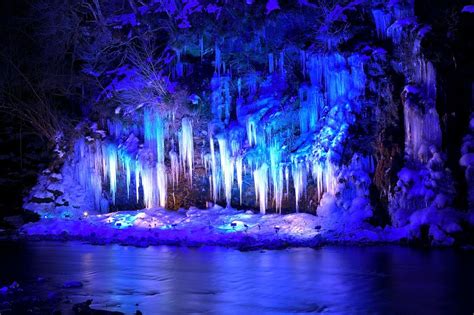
x=174 y=280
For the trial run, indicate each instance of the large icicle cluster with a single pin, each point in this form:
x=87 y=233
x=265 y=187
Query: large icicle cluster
x=327 y=105
x=101 y=162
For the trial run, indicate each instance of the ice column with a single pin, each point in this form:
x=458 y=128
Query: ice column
x=111 y=162
x=271 y=63
x=260 y=177
x=276 y=174
x=186 y=147
x=214 y=174
x=89 y=168
x=154 y=134
x=251 y=132
x=238 y=169
x=382 y=21
x=227 y=168
x=298 y=171
x=174 y=168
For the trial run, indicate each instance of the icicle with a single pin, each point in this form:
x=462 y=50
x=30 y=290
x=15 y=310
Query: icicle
x=116 y=128
x=252 y=80
x=221 y=98
x=340 y=78
x=311 y=102
x=282 y=63
x=179 y=65
x=218 y=60
x=260 y=177
x=396 y=31
x=186 y=147
x=303 y=62
x=154 y=134
x=298 y=171
x=238 y=168
x=239 y=86
x=422 y=130
x=89 y=169
x=112 y=165
x=126 y=161
x=271 y=63
x=149 y=196
x=318 y=171
x=201 y=47
x=174 y=168
x=161 y=180
x=276 y=174
x=227 y=168
x=214 y=175
x=425 y=75
x=382 y=21
x=137 y=180
x=251 y=132
x=330 y=177
x=234 y=147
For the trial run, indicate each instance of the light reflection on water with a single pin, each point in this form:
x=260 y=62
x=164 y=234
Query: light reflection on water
x=335 y=280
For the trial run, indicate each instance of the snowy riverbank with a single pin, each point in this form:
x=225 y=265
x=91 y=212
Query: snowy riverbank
x=215 y=226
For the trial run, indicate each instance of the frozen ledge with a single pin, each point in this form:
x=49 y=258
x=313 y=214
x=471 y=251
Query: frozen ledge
x=212 y=227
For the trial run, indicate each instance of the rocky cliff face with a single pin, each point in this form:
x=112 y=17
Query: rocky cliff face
x=337 y=109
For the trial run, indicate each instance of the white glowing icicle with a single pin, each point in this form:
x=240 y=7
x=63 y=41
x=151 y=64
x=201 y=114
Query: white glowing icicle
x=112 y=165
x=149 y=194
x=422 y=130
x=186 y=147
x=298 y=171
x=137 y=180
x=174 y=168
x=251 y=132
x=214 y=174
x=425 y=75
x=318 y=173
x=227 y=168
x=89 y=169
x=330 y=177
x=126 y=161
x=161 y=181
x=154 y=134
x=260 y=177
x=239 y=169
x=276 y=173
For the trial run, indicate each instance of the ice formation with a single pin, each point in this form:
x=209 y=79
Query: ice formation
x=293 y=125
x=334 y=80
x=260 y=177
x=186 y=147
x=382 y=21
x=101 y=162
x=257 y=142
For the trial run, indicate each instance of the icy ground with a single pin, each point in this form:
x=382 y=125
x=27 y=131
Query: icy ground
x=214 y=226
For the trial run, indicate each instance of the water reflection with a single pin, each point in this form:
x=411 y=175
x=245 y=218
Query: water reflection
x=337 y=280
